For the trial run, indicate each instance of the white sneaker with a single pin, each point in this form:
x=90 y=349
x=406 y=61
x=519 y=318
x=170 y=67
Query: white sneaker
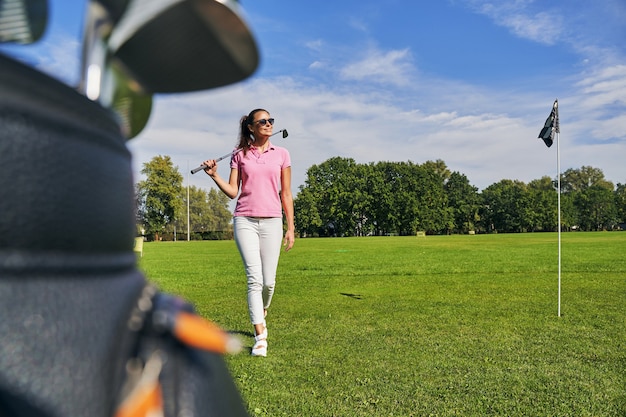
x=260 y=345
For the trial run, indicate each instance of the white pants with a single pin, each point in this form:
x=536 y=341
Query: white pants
x=259 y=241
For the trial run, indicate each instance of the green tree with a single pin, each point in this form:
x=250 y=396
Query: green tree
x=360 y=200
x=139 y=211
x=620 y=203
x=440 y=168
x=544 y=205
x=569 y=213
x=336 y=190
x=199 y=217
x=590 y=197
x=219 y=213
x=307 y=217
x=464 y=202
x=342 y=198
x=596 y=208
x=417 y=199
x=402 y=178
x=209 y=215
x=434 y=213
x=382 y=211
x=573 y=180
x=160 y=195
x=506 y=207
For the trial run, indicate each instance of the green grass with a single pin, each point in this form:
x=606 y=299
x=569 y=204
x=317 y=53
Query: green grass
x=434 y=326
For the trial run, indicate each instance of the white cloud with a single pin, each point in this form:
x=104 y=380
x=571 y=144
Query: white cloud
x=598 y=105
x=318 y=65
x=608 y=82
x=592 y=30
x=440 y=117
x=358 y=24
x=544 y=27
x=315 y=45
x=391 y=67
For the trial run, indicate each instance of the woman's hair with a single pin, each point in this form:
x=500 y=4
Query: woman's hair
x=245 y=134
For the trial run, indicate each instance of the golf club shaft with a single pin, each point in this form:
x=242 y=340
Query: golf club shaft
x=201 y=167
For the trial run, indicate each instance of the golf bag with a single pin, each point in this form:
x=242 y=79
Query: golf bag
x=78 y=320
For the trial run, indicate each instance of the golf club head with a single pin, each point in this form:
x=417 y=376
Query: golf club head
x=283 y=131
x=172 y=46
x=106 y=80
x=135 y=48
x=22 y=21
x=130 y=105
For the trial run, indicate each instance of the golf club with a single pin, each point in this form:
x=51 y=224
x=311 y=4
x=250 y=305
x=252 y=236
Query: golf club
x=236 y=151
x=133 y=49
x=105 y=79
x=173 y=46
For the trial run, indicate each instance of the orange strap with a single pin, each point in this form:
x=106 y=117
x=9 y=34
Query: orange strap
x=202 y=334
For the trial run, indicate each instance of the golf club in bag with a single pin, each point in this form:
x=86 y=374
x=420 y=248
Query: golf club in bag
x=135 y=48
x=236 y=151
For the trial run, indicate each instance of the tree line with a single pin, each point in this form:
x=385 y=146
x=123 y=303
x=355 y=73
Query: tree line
x=343 y=198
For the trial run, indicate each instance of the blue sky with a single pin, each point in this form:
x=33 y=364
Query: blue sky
x=469 y=82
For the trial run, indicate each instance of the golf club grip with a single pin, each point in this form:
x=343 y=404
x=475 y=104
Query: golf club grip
x=201 y=167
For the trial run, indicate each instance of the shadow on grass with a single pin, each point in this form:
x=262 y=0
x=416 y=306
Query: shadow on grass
x=241 y=333
x=355 y=296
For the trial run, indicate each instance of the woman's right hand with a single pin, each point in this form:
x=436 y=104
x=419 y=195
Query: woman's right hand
x=211 y=167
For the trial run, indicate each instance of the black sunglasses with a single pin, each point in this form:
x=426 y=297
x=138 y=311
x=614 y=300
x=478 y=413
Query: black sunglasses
x=262 y=122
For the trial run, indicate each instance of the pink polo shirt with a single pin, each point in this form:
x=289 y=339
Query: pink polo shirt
x=260 y=181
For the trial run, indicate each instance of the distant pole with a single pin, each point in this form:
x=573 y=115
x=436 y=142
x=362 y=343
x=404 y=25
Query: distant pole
x=558 y=169
x=188 y=229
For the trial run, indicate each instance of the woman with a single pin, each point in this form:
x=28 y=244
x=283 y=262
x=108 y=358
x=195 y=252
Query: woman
x=260 y=173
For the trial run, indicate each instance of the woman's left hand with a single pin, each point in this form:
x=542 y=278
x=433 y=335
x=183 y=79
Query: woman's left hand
x=289 y=240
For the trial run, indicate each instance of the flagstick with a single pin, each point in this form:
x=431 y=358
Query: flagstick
x=188 y=229
x=550 y=128
x=558 y=169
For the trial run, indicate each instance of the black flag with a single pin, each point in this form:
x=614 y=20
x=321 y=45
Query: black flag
x=552 y=125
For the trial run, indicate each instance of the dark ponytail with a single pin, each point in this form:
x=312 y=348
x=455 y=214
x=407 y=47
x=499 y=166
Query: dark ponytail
x=245 y=134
